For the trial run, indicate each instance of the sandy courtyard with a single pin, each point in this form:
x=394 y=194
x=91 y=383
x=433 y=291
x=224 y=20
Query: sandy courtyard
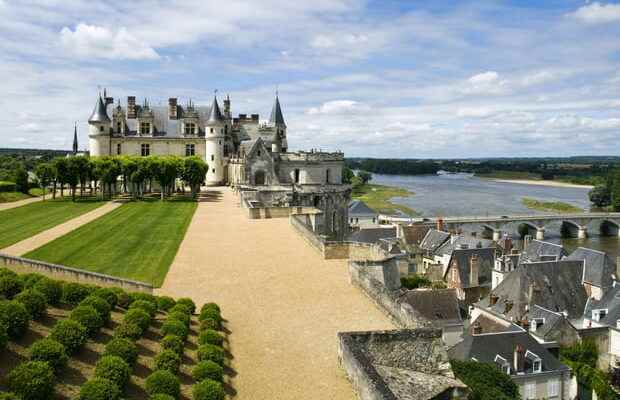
x=284 y=304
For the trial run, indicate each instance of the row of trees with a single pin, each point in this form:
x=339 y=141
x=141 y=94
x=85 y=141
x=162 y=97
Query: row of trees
x=137 y=174
x=355 y=179
x=608 y=193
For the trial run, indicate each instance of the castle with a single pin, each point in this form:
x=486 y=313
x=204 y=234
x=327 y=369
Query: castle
x=240 y=151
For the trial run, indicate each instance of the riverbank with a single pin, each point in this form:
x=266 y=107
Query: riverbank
x=378 y=198
x=540 y=183
x=552 y=206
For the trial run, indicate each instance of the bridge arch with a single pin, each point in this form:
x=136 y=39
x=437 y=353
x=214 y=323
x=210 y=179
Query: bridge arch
x=532 y=229
x=571 y=228
x=609 y=227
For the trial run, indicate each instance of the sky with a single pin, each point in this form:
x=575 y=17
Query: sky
x=392 y=79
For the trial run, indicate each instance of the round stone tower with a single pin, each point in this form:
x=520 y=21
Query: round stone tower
x=215 y=136
x=99 y=130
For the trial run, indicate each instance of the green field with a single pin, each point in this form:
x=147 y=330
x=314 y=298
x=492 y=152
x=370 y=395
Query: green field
x=19 y=223
x=136 y=241
x=553 y=206
x=378 y=198
x=8 y=197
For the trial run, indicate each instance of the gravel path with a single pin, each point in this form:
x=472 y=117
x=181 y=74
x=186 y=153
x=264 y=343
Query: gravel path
x=283 y=302
x=19 y=203
x=44 y=237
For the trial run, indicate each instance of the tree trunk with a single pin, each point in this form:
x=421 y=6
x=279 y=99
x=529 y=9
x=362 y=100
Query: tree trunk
x=54 y=194
x=62 y=190
x=73 y=193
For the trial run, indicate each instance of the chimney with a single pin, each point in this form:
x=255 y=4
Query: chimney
x=172 y=108
x=525 y=323
x=474 y=269
x=518 y=363
x=526 y=241
x=508 y=245
x=440 y=226
x=131 y=107
x=477 y=328
x=493 y=299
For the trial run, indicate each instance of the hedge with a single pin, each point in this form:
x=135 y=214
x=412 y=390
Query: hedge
x=73 y=293
x=211 y=352
x=147 y=306
x=210 y=313
x=89 y=317
x=209 y=336
x=172 y=342
x=164 y=382
x=6 y=186
x=165 y=303
x=210 y=306
x=32 y=380
x=168 y=360
x=123 y=298
x=9 y=396
x=100 y=305
x=50 y=351
x=139 y=317
x=15 y=316
x=189 y=303
x=70 y=333
x=175 y=327
x=30 y=279
x=10 y=286
x=210 y=323
x=100 y=389
x=139 y=296
x=181 y=307
x=208 y=390
x=123 y=348
x=34 y=301
x=108 y=294
x=180 y=316
x=128 y=330
x=208 y=370
x=113 y=368
x=51 y=289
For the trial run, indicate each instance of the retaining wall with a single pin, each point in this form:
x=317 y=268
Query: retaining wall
x=61 y=272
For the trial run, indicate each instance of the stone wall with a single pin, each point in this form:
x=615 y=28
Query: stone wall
x=61 y=272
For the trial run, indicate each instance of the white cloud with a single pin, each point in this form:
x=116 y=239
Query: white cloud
x=597 y=13
x=484 y=78
x=485 y=83
x=475 y=112
x=339 y=107
x=100 y=42
x=538 y=78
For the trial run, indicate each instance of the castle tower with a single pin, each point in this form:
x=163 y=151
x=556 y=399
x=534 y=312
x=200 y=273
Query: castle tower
x=99 y=130
x=75 y=141
x=215 y=137
x=277 y=121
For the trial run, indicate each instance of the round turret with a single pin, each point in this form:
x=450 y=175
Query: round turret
x=215 y=135
x=99 y=130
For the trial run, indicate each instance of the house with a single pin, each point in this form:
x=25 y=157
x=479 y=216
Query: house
x=432 y=241
x=360 y=215
x=599 y=270
x=469 y=272
x=538 y=250
x=372 y=235
x=485 y=322
x=537 y=372
x=601 y=323
x=551 y=328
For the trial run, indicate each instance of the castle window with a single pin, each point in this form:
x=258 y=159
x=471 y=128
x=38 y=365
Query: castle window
x=213 y=170
x=145 y=128
x=226 y=129
x=211 y=130
x=118 y=148
x=145 y=149
x=119 y=127
x=101 y=128
x=190 y=149
x=190 y=128
x=326 y=176
x=296 y=175
x=212 y=157
x=258 y=153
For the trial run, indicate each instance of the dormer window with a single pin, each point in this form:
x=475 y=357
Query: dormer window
x=502 y=364
x=536 y=324
x=598 y=315
x=145 y=128
x=190 y=128
x=533 y=363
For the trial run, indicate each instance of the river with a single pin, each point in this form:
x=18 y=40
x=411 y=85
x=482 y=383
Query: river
x=463 y=195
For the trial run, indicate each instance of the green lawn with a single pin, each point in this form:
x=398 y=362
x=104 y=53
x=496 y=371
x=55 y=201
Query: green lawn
x=8 y=197
x=136 y=241
x=553 y=206
x=19 y=223
x=378 y=198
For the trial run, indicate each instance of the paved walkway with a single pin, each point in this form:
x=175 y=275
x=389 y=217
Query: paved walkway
x=19 y=203
x=283 y=302
x=46 y=236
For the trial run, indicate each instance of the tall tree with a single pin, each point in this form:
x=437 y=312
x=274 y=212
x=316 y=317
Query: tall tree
x=194 y=173
x=61 y=166
x=73 y=175
x=45 y=174
x=166 y=171
x=21 y=179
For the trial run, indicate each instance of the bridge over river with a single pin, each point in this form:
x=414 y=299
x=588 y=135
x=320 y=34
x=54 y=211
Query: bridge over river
x=574 y=224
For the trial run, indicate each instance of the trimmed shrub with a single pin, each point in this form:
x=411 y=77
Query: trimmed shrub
x=183 y=308
x=128 y=330
x=208 y=390
x=137 y=296
x=163 y=382
x=34 y=302
x=172 y=342
x=210 y=323
x=179 y=316
x=144 y=305
x=49 y=351
x=139 y=317
x=32 y=380
x=100 y=305
x=73 y=293
x=161 y=396
x=9 y=396
x=211 y=306
x=51 y=289
x=15 y=316
x=189 y=303
x=89 y=317
x=30 y=279
x=208 y=370
x=7 y=272
x=210 y=313
x=123 y=298
x=4 y=335
x=99 y=389
x=165 y=303
x=113 y=368
x=108 y=294
x=70 y=334
x=10 y=286
x=210 y=336
x=174 y=327
x=123 y=348
x=168 y=360
x=211 y=352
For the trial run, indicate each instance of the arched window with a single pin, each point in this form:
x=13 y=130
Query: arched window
x=326 y=176
x=119 y=127
x=297 y=175
x=334 y=229
x=259 y=177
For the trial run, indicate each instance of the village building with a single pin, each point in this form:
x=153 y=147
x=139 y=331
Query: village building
x=599 y=270
x=361 y=216
x=469 y=272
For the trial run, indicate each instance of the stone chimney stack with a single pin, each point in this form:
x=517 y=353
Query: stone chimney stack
x=493 y=299
x=132 y=112
x=519 y=359
x=172 y=108
x=526 y=241
x=474 y=269
x=440 y=226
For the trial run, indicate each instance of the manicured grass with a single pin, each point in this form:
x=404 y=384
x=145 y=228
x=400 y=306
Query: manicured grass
x=8 y=197
x=136 y=241
x=378 y=198
x=19 y=223
x=553 y=206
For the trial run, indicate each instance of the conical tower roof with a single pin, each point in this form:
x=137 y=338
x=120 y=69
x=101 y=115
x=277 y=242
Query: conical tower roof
x=75 y=140
x=276 y=117
x=215 y=115
x=99 y=113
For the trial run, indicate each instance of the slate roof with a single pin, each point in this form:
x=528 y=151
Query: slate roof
x=162 y=125
x=599 y=267
x=215 y=115
x=491 y=325
x=484 y=348
x=433 y=239
x=609 y=301
x=440 y=306
x=372 y=235
x=99 y=113
x=555 y=285
x=459 y=241
x=359 y=208
x=462 y=258
x=538 y=250
x=276 y=117
x=551 y=319
x=414 y=234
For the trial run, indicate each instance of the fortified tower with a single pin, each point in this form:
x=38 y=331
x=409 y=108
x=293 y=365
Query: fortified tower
x=99 y=130
x=215 y=136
